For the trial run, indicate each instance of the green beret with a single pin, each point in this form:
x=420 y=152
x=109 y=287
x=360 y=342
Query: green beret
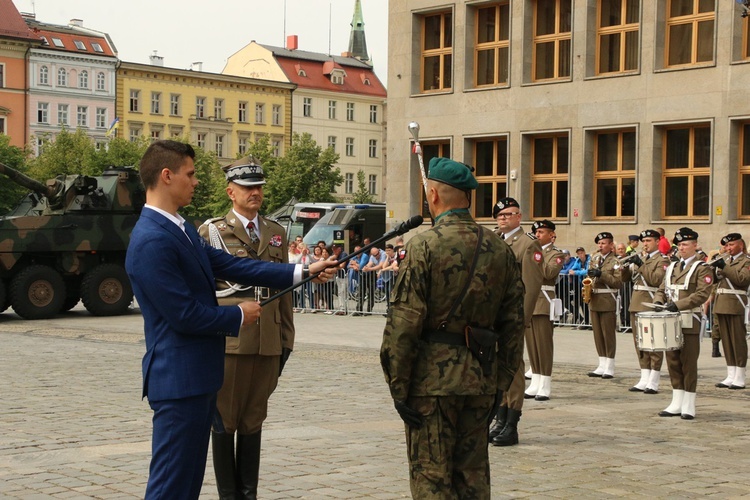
x=452 y=173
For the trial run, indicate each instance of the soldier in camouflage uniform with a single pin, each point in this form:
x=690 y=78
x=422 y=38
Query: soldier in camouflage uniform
x=441 y=390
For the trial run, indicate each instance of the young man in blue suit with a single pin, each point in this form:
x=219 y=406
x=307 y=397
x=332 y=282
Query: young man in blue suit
x=172 y=271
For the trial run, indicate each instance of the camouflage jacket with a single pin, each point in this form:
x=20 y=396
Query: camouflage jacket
x=429 y=281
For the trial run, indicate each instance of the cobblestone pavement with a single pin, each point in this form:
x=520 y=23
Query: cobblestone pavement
x=72 y=423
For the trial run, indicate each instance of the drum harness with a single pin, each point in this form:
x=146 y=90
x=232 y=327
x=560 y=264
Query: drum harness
x=644 y=287
x=217 y=242
x=555 y=305
x=674 y=291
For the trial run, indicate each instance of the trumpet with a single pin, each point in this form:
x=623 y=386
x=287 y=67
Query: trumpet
x=722 y=256
x=627 y=259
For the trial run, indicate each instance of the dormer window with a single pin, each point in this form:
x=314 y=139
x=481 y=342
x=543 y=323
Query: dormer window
x=79 y=45
x=44 y=40
x=58 y=42
x=367 y=81
x=96 y=47
x=301 y=72
x=337 y=79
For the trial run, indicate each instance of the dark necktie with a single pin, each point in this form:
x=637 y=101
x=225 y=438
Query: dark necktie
x=682 y=265
x=253 y=235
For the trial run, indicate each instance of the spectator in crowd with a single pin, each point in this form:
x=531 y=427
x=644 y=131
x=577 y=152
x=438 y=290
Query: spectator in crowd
x=633 y=242
x=388 y=271
x=368 y=279
x=621 y=250
x=317 y=297
x=305 y=290
x=665 y=247
x=298 y=239
x=577 y=273
x=293 y=251
x=340 y=280
x=353 y=272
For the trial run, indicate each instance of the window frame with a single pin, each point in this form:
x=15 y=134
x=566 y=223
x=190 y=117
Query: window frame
x=307 y=107
x=101 y=118
x=332 y=142
x=496 y=45
x=693 y=19
x=743 y=170
x=622 y=29
x=101 y=81
x=374 y=113
x=200 y=107
x=260 y=113
x=554 y=177
x=350 y=111
x=155 y=103
x=331 y=109
x=218 y=109
x=63 y=112
x=276 y=114
x=441 y=52
x=82 y=116
x=43 y=75
x=349 y=146
x=620 y=174
x=691 y=171
x=556 y=37
x=495 y=178
x=372 y=148
x=372 y=184
x=42 y=113
x=62 y=77
x=348 y=183
x=175 y=104
x=83 y=79
x=135 y=97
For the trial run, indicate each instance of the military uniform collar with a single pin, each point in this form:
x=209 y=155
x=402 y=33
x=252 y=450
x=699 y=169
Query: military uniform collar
x=512 y=233
x=244 y=220
x=547 y=246
x=459 y=213
x=653 y=254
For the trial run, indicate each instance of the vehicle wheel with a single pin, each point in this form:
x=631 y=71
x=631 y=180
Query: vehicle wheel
x=4 y=302
x=37 y=292
x=106 y=290
x=72 y=293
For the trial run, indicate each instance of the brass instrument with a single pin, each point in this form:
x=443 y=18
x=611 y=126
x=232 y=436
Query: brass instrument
x=720 y=257
x=627 y=259
x=587 y=289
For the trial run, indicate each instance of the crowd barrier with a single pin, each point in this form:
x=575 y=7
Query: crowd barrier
x=366 y=293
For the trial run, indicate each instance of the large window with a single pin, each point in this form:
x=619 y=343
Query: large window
x=430 y=150
x=686 y=172
x=82 y=116
x=617 y=36
x=42 y=112
x=276 y=114
x=135 y=96
x=350 y=146
x=690 y=31
x=490 y=161
x=373 y=113
x=260 y=113
x=552 y=39
x=350 y=111
x=135 y=134
x=156 y=103
x=43 y=76
x=242 y=145
x=349 y=183
x=62 y=77
x=101 y=117
x=100 y=81
x=372 y=184
x=331 y=110
x=372 y=148
x=83 y=79
x=200 y=140
x=174 y=104
x=307 y=106
x=220 y=146
x=437 y=52
x=614 y=174
x=332 y=142
x=549 y=177
x=492 y=50
x=62 y=115
x=242 y=112
x=219 y=109
x=200 y=107
x=744 y=191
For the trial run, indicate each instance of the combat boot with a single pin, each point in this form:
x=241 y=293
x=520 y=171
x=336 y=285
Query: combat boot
x=248 y=464
x=509 y=434
x=716 y=353
x=222 y=446
x=497 y=427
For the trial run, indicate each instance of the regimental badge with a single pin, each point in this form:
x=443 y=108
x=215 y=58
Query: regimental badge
x=275 y=241
x=222 y=227
x=537 y=256
x=708 y=280
x=500 y=205
x=558 y=260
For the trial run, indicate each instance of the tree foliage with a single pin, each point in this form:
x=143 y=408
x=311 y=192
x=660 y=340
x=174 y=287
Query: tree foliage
x=306 y=172
x=69 y=153
x=13 y=157
x=362 y=195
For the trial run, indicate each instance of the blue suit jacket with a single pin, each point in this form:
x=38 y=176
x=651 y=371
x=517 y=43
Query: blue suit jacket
x=174 y=282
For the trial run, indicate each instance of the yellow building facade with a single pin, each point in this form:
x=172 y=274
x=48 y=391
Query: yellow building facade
x=219 y=113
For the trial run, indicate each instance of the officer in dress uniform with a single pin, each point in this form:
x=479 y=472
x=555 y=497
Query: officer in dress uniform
x=528 y=252
x=456 y=278
x=686 y=287
x=605 y=271
x=253 y=360
x=733 y=276
x=647 y=273
x=539 y=343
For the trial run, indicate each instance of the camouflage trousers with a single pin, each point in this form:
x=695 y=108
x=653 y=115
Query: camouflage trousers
x=448 y=456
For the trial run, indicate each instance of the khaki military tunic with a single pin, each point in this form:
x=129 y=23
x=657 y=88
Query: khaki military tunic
x=448 y=455
x=683 y=363
x=603 y=305
x=646 y=280
x=729 y=307
x=539 y=344
x=529 y=257
x=251 y=364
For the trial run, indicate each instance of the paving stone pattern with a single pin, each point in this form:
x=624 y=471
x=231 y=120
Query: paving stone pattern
x=72 y=423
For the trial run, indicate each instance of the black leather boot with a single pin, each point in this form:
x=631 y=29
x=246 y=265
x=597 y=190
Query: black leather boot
x=248 y=464
x=500 y=416
x=716 y=353
x=222 y=445
x=509 y=434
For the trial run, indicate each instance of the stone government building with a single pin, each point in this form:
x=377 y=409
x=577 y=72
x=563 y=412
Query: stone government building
x=598 y=114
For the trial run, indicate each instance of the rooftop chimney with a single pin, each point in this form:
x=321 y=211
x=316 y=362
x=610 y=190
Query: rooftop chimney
x=196 y=66
x=292 y=42
x=156 y=60
x=76 y=22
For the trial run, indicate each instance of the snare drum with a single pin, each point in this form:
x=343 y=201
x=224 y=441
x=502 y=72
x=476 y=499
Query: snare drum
x=658 y=331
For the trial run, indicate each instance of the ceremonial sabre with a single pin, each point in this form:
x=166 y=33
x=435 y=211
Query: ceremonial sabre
x=414 y=130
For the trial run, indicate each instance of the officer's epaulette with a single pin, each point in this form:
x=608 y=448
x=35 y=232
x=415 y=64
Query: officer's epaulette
x=531 y=235
x=272 y=223
x=211 y=221
x=553 y=247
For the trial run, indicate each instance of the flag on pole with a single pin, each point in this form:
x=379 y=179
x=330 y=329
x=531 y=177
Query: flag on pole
x=113 y=126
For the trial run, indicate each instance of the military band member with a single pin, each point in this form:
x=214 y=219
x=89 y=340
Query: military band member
x=605 y=271
x=443 y=390
x=253 y=360
x=708 y=306
x=733 y=276
x=686 y=287
x=647 y=273
x=539 y=342
x=528 y=252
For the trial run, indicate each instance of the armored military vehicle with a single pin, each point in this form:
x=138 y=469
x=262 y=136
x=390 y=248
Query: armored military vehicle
x=66 y=242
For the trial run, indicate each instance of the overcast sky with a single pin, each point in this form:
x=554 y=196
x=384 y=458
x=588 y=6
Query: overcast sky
x=188 y=31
